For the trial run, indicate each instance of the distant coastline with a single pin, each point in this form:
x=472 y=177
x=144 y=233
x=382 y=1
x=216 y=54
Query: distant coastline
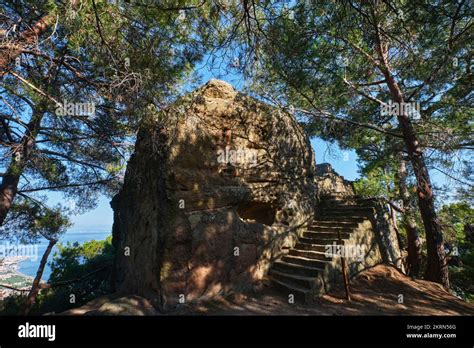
x=19 y=271
x=11 y=276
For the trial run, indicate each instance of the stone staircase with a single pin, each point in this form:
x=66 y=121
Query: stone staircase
x=303 y=271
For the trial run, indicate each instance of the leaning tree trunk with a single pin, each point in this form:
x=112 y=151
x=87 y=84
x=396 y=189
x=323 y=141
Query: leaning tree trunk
x=413 y=239
x=35 y=288
x=437 y=267
x=19 y=161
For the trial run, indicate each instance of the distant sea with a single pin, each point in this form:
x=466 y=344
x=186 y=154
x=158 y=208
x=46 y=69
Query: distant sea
x=29 y=267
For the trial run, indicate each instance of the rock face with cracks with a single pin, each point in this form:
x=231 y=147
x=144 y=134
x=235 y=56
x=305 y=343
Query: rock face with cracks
x=220 y=184
x=328 y=182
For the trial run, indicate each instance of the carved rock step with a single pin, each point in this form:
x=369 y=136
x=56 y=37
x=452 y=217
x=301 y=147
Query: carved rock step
x=297 y=269
x=347 y=215
x=357 y=207
x=305 y=244
x=348 y=208
x=299 y=260
x=320 y=241
x=348 y=205
x=293 y=280
x=301 y=271
x=309 y=254
x=339 y=198
x=336 y=225
x=300 y=293
x=337 y=194
x=324 y=229
x=335 y=219
x=347 y=199
x=327 y=235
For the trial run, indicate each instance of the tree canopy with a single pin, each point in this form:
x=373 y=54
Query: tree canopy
x=391 y=79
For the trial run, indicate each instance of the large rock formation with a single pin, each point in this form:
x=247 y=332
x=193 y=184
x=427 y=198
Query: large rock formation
x=218 y=186
x=328 y=182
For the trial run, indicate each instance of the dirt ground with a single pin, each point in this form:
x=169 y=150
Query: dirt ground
x=373 y=292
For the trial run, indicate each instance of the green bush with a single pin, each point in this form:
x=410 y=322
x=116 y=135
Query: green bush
x=462 y=277
x=12 y=305
x=75 y=261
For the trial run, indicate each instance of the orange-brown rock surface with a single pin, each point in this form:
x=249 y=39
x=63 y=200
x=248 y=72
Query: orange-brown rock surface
x=219 y=183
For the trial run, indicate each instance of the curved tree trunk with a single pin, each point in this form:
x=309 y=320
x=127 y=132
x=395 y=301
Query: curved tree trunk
x=9 y=52
x=437 y=267
x=35 y=288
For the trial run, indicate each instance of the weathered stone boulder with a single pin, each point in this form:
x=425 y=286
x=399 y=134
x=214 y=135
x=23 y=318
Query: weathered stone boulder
x=328 y=182
x=219 y=184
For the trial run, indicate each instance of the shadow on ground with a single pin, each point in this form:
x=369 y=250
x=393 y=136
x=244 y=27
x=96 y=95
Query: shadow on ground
x=374 y=292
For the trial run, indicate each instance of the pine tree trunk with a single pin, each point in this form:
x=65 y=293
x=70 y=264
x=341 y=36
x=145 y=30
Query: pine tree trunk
x=11 y=179
x=437 y=268
x=413 y=239
x=35 y=288
x=8 y=190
